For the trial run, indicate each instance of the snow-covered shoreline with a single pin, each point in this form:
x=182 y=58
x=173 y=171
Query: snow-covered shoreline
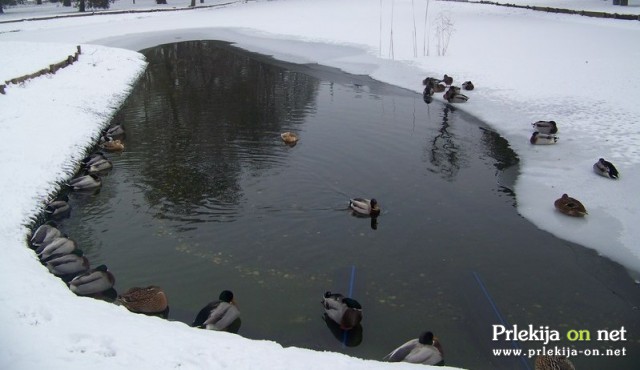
x=526 y=66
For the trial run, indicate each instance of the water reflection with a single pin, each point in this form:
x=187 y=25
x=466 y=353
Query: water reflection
x=443 y=151
x=218 y=116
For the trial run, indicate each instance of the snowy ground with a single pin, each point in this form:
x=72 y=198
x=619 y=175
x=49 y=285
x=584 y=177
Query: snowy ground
x=527 y=66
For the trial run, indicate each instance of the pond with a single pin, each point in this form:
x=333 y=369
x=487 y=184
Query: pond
x=207 y=197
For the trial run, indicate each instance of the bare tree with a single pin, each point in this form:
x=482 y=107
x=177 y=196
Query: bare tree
x=444 y=29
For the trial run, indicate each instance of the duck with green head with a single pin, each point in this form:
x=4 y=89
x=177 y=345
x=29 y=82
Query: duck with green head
x=58 y=209
x=58 y=247
x=344 y=311
x=218 y=315
x=424 y=350
x=45 y=234
x=605 y=169
x=364 y=206
x=92 y=282
x=69 y=265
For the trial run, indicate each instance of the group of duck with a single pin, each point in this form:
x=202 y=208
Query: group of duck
x=545 y=133
x=452 y=94
x=61 y=254
x=98 y=163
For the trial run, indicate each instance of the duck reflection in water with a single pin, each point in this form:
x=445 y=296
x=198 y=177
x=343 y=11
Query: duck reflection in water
x=350 y=338
x=444 y=152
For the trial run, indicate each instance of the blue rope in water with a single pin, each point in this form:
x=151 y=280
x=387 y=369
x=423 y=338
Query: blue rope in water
x=502 y=320
x=350 y=295
x=353 y=277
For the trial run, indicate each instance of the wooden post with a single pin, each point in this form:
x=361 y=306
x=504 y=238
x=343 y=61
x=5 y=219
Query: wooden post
x=80 y=49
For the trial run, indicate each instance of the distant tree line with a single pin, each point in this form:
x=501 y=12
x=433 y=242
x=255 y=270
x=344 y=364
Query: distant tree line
x=82 y=5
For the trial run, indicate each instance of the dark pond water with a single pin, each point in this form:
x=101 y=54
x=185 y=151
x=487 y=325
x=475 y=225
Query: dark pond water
x=206 y=197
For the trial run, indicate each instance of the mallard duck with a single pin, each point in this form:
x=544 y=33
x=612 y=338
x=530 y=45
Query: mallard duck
x=454 y=96
x=112 y=145
x=58 y=209
x=448 y=80
x=344 y=311
x=99 y=166
x=85 y=182
x=570 y=206
x=428 y=91
x=425 y=350
x=605 y=168
x=218 y=315
x=553 y=363
x=429 y=81
x=44 y=234
x=437 y=86
x=364 y=207
x=91 y=159
x=468 y=85
x=150 y=300
x=94 y=281
x=69 y=265
x=289 y=137
x=545 y=127
x=114 y=131
x=542 y=139
x=56 y=248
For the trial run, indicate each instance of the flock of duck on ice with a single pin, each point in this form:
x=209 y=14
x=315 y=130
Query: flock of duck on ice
x=64 y=259
x=544 y=134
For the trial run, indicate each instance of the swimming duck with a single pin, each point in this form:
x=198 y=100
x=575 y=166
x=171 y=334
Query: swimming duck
x=69 y=265
x=218 y=315
x=605 y=168
x=94 y=281
x=44 y=234
x=111 y=145
x=543 y=139
x=545 y=127
x=570 y=206
x=346 y=312
x=364 y=207
x=85 y=182
x=58 y=209
x=453 y=95
x=96 y=162
x=424 y=350
x=448 y=80
x=91 y=159
x=150 y=300
x=468 y=85
x=289 y=137
x=56 y=248
x=114 y=131
x=553 y=363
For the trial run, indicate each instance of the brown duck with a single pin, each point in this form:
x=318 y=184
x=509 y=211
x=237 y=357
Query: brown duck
x=150 y=300
x=570 y=206
x=553 y=363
